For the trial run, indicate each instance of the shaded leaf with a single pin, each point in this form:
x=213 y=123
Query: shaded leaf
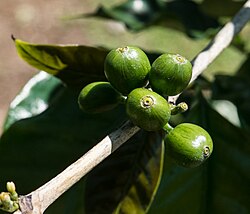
x=221 y=185
x=135 y=14
x=35 y=149
x=217 y=8
x=139 y=14
x=228 y=110
x=244 y=70
x=127 y=181
x=228 y=169
x=197 y=24
x=235 y=89
x=75 y=65
x=181 y=190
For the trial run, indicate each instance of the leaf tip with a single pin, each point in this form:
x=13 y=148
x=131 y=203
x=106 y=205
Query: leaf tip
x=13 y=37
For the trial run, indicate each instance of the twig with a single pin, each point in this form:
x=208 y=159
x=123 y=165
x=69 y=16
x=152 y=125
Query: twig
x=37 y=201
x=218 y=44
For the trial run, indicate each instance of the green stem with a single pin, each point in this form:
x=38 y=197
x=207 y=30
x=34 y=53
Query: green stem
x=180 y=108
x=167 y=128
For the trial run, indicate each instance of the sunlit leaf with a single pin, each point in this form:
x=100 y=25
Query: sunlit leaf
x=33 y=98
x=75 y=65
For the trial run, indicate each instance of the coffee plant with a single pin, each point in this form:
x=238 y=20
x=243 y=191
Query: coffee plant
x=145 y=131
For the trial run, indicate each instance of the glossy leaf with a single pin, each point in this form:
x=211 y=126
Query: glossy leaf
x=33 y=98
x=35 y=149
x=75 y=65
x=228 y=110
x=127 y=181
x=221 y=185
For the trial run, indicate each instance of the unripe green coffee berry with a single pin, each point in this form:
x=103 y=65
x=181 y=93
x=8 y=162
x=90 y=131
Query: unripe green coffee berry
x=147 y=109
x=98 y=97
x=170 y=74
x=127 y=68
x=188 y=144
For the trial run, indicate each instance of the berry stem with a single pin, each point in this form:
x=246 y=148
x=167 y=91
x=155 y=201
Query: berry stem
x=180 y=108
x=167 y=128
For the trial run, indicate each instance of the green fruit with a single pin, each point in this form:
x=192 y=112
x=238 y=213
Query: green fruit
x=170 y=74
x=127 y=68
x=98 y=97
x=189 y=145
x=147 y=109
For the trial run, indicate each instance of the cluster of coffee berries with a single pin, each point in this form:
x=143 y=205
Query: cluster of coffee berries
x=144 y=89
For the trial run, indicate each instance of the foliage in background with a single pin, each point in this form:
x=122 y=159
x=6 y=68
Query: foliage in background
x=45 y=131
x=137 y=14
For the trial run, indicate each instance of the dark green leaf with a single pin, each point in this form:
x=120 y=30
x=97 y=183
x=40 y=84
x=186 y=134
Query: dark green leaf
x=221 y=185
x=33 y=99
x=196 y=23
x=75 y=65
x=244 y=70
x=35 y=149
x=228 y=169
x=220 y=8
x=139 y=14
x=127 y=181
x=181 y=190
x=235 y=89
x=136 y=14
